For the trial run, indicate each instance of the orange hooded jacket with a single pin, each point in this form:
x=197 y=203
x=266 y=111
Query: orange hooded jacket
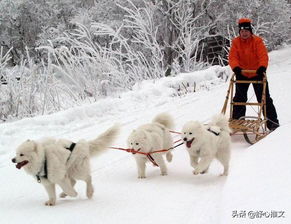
x=248 y=54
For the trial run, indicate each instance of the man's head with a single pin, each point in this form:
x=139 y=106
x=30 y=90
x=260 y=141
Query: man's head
x=245 y=28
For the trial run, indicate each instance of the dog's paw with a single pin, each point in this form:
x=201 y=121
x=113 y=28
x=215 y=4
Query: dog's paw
x=164 y=173
x=50 y=202
x=63 y=195
x=204 y=171
x=196 y=172
x=224 y=174
x=141 y=177
x=90 y=193
x=72 y=193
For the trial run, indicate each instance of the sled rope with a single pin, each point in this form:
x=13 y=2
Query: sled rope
x=147 y=153
x=176 y=132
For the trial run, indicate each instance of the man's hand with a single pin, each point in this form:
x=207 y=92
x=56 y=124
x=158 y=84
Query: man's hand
x=261 y=71
x=237 y=70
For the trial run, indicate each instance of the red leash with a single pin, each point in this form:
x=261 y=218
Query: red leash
x=138 y=152
x=148 y=153
x=175 y=132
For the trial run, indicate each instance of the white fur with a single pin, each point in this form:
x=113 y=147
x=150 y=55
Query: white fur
x=151 y=137
x=206 y=145
x=63 y=166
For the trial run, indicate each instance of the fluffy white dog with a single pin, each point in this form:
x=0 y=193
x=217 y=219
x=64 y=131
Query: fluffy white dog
x=206 y=142
x=152 y=137
x=62 y=162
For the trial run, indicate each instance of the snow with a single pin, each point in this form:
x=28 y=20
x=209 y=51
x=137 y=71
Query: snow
x=259 y=178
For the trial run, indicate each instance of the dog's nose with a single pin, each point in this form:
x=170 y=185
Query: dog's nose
x=13 y=160
x=185 y=139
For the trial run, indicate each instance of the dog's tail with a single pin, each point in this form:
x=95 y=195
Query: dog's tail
x=164 y=119
x=104 y=140
x=221 y=121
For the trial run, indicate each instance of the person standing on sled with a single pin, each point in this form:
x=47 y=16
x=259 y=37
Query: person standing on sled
x=249 y=52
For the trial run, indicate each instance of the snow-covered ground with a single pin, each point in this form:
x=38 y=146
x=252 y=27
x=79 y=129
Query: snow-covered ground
x=258 y=186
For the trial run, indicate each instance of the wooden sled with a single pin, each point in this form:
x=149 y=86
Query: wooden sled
x=253 y=128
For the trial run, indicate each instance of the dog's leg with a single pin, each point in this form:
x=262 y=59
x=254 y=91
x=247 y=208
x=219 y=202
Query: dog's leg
x=141 y=166
x=225 y=171
x=161 y=162
x=224 y=159
x=73 y=182
x=90 y=189
x=194 y=161
x=67 y=187
x=223 y=156
x=51 y=191
x=203 y=165
x=169 y=156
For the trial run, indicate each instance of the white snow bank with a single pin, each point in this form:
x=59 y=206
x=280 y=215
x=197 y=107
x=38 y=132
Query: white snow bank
x=259 y=185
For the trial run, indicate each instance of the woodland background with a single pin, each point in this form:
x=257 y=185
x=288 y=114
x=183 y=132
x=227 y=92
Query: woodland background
x=56 y=54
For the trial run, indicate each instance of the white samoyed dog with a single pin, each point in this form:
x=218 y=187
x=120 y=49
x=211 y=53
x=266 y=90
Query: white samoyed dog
x=62 y=162
x=206 y=142
x=149 y=138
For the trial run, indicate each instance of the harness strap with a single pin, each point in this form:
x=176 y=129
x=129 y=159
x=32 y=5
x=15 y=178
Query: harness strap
x=72 y=146
x=163 y=150
x=43 y=172
x=213 y=132
x=152 y=160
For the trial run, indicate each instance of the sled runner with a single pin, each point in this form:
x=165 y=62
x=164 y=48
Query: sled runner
x=253 y=128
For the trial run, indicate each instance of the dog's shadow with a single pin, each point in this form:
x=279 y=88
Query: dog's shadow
x=188 y=178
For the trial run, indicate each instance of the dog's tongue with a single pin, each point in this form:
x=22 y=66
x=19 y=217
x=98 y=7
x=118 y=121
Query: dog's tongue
x=21 y=164
x=189 y=143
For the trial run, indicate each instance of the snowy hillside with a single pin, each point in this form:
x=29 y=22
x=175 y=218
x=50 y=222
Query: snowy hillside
x=258 y=184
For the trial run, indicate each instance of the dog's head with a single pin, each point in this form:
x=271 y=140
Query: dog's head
x=191 y=131
x=26 y=155
x=137 y=141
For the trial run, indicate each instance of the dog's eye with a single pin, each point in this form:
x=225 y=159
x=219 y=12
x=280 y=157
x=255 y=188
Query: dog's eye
x=131 y=143
x=190 y=133
x=136 y=143
x=21 y=154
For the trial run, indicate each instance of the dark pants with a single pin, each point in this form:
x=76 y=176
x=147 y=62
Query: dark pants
x=241 y=96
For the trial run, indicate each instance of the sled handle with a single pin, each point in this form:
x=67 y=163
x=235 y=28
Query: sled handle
x=248 y=71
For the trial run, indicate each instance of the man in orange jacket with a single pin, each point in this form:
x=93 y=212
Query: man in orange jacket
x=249 y=52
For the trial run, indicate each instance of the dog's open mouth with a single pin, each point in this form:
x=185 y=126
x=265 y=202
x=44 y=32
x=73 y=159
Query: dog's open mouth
x=189 y=143
x=21 y=164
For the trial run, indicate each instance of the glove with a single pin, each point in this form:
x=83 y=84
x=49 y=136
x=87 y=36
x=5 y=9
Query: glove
x=261 y=70
x=237 y=70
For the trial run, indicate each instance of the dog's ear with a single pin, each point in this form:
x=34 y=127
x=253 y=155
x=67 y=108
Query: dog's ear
x=144 y=135
x=34 y=145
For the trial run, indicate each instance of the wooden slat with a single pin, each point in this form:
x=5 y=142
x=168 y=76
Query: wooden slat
x=244 y=125
x=244 y=104
x=248 y=71
x=247 y=81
